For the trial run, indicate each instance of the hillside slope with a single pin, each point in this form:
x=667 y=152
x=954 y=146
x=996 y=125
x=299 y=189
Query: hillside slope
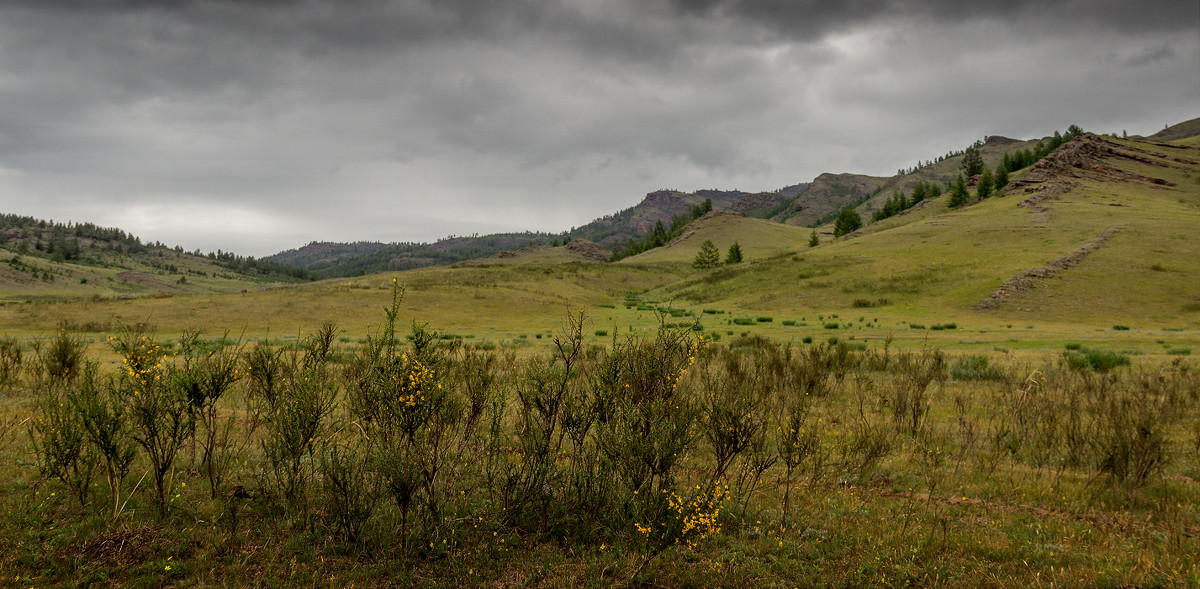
x=757 y=238
x=44 y=259
x=1182 y=130
x=1116 y=218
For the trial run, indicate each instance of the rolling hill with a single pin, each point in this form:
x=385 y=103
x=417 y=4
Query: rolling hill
x=1097 y=232
x=1100 y=233
x=44 y=259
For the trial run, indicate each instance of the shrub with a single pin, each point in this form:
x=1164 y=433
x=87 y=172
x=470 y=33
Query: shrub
x=915 y=326
x=1073 y=346
x=204 y=377
x=1131 y=442
x=350 y=495
x=743 y=321
x=909 y=400
x=832 y=325
x=789 y=322
x=10 y=363
x=807 y=339
x=159 y=409
x=60 y=438
x=765 y=319
x=106 y=424
x=1120 y=328
x=58 y=361
x=1097 y=360
x=975 y=367
x=601 y=332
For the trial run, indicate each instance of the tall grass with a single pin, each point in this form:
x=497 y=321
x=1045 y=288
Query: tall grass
x=413 y=445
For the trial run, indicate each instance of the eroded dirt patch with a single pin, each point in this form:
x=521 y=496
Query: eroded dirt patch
x=1025 y=280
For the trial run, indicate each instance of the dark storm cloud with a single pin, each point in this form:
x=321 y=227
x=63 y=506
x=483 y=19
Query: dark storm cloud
x=256 y=126
x=808 y=17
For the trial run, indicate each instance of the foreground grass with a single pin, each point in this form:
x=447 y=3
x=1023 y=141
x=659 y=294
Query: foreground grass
x=944 y=502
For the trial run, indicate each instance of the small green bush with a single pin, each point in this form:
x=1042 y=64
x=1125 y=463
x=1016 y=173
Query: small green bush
x=789 y=322
x=1073 y=345
x=807 y=339
x=601 y=332
x=1120 y=328
x=975 y=367
x=765 y=319
x=743 y=321
x=832 y=325
x=1097 y=360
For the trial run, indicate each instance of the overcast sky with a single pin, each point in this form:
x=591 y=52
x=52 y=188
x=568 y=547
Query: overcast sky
x=260 y=126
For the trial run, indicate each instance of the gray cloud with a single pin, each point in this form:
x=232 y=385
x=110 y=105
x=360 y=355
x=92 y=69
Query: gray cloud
x=257 y=126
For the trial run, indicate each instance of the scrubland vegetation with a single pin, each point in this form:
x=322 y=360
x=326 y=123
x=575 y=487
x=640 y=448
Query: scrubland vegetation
x=665 y=459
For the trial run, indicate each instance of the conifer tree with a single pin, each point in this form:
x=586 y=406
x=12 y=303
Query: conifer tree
x=919 y=192
x=972 y=162
x=847 y=221
x=708 y=257
x=735 y=254
x=984 y=189
x=1001 y=179
x=813 y=239
x=958 y=192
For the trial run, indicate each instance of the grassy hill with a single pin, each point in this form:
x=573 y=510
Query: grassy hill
x=43 y=259
x=1128 y=205
x=1184 y=130
x=334 y=260
x=758 y=238
x=1094 y=236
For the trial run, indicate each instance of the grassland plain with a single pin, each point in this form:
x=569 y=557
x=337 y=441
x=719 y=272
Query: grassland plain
x=942 y=445
x=838 y=466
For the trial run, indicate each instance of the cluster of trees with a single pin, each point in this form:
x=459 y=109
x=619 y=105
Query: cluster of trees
x=941 y=158
x=898 y=202
x=662 y=235
x=710 y=257
x=1023 y=158
x=85 y=243
x=62 y=242
x=249 y=266
x=987 y=181
x=419 y=255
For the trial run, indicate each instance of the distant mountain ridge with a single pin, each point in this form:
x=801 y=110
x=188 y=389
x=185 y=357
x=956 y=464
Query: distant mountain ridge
x=809 y=204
